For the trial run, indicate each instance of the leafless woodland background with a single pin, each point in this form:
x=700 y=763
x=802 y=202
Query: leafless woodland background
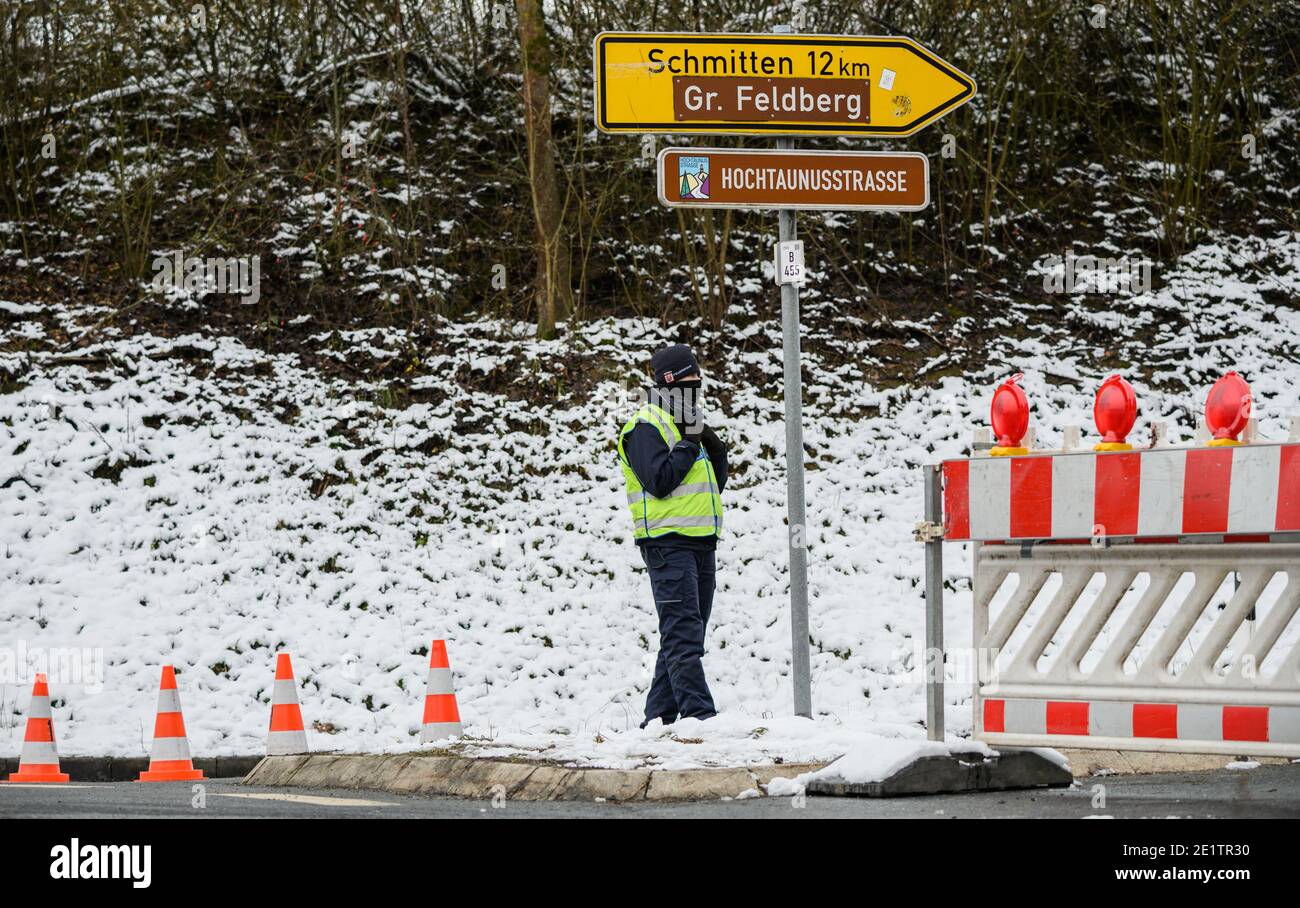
x=395 y=163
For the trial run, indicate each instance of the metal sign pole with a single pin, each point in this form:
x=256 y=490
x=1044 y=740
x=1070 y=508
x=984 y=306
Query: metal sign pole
x=933 y=662
x=800 y=668
x=800 y=660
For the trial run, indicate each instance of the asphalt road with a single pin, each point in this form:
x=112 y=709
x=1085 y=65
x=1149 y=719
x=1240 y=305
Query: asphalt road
x=1267 y=791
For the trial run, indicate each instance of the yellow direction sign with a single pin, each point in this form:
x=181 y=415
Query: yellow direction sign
x=772 y=84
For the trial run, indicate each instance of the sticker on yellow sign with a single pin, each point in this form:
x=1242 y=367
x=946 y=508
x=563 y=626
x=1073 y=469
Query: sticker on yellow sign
x=772 y=84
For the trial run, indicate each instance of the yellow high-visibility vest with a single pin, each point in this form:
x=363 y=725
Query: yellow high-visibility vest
x=694 y=508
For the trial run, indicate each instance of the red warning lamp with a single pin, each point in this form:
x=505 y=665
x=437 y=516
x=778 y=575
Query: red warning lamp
x=1228 y=409
x=1010 y=417
x=1114 y=411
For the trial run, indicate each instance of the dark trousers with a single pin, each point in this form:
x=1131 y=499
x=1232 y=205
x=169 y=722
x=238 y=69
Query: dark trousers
x=683 y=582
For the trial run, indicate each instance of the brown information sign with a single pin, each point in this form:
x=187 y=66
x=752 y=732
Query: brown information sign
x=760 y=178
x=758 y=100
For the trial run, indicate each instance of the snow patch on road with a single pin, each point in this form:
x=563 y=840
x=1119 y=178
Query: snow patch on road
x=878 y=758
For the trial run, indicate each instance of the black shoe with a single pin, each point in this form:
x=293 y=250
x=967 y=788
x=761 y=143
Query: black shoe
x=666 y=720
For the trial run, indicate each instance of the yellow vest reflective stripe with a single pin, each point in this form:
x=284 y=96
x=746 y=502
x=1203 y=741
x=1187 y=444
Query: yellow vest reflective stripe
x=694 y=508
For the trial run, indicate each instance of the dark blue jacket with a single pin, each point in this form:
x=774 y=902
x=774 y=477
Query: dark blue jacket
x=661 y=470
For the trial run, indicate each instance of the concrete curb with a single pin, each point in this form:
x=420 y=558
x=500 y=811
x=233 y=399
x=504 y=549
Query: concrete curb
x=468 y=777
x=1086 y=763
x=127 y=769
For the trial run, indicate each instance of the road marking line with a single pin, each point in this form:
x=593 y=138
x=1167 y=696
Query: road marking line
x=305 y=799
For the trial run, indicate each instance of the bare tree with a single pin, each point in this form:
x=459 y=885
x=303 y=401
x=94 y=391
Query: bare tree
x=552 y=289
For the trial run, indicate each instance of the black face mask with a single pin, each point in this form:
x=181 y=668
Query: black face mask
x=683 y=402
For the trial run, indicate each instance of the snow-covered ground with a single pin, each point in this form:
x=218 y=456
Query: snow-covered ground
x=194 y=501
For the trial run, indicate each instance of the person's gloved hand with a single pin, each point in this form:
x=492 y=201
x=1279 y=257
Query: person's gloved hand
x=692 y=417
x=712 y=443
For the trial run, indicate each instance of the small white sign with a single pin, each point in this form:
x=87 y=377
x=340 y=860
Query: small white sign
x=789 y=262
x=887 y=79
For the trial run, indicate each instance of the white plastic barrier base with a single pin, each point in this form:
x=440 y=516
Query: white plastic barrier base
x=1192 y=648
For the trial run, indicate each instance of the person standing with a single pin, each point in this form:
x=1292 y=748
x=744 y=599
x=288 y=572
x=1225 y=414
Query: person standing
x=675 y=469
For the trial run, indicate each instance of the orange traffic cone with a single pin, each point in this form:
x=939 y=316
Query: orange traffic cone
x=170 y=760
x=40 y=759
x=287 y=736
x=441 y=715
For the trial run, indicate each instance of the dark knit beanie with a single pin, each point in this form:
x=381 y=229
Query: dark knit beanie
x=672 y=364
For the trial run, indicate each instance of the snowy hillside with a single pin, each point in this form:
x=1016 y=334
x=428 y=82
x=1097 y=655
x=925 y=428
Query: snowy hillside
x=195 y=501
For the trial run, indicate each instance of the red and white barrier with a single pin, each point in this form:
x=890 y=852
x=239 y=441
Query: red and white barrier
x=1154 y=495
x=1190 y=642
x=1213 y=727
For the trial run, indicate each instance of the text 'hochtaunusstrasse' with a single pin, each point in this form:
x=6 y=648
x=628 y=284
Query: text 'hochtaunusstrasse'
x=812 y=179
